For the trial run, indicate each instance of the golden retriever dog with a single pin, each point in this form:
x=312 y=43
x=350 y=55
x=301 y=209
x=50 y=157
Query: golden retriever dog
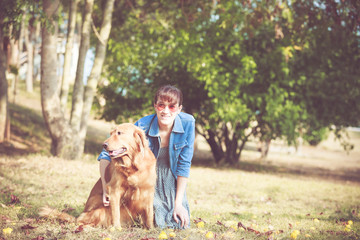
x=130 y=178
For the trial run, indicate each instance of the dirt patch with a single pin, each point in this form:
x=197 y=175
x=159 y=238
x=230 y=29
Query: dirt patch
x=328 y=160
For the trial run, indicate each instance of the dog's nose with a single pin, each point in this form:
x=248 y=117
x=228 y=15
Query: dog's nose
x=105 y=145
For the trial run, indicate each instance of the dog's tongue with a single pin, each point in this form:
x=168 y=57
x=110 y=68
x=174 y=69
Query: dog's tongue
x=114 y=153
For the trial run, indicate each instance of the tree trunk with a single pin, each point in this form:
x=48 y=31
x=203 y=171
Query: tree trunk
x=18 y=64
x=264 y=148
x=13 y=57
x=28 y=36
x=227 y=145
x=3 y=89
x=37 y=45
x=56 y=124
x=78 y=92
x=215 y=146
x=96 y=69
x=68 y=54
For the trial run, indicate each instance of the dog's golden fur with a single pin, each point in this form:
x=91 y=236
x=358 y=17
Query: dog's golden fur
x=130 y=178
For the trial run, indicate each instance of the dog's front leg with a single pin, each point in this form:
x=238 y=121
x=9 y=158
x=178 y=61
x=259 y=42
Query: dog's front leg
x=115 y=195
x=148 y=211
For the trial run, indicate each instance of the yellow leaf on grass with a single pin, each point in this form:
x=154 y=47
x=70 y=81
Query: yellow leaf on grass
x=7 y=230
x=163 y=235
x=172 y=234
x=231 y=224
x=200 y=224
x=209 y=235
x=294 y=234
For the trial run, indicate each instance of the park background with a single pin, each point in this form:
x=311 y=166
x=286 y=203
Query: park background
x=273 y=85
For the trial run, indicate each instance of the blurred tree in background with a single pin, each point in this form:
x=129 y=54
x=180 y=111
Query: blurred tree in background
x=263 y=70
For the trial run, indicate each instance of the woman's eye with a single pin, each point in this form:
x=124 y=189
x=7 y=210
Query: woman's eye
x=162 y=105
x=172 y=107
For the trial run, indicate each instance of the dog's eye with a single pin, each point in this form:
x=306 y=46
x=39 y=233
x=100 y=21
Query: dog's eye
x=118 y=133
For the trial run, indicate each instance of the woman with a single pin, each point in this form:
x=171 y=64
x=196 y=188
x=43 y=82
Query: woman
x=171 y=135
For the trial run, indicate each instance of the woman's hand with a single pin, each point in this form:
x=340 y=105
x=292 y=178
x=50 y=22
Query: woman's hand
x=181 y=213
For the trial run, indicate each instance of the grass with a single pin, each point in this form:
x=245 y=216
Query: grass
x=316 y=193
x=219 y=198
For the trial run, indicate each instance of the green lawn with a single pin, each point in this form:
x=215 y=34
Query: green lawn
x=267 y=206
x=309 y=192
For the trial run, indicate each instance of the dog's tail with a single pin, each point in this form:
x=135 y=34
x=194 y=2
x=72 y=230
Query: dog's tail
x=52 y=213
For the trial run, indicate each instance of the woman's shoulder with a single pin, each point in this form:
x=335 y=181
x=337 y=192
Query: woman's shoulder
x=185 y=117
x=146 y=119
x=144 y=122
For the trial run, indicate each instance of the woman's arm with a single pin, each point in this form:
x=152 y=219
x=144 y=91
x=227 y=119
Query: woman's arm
x=102 y=166
x=180 y=211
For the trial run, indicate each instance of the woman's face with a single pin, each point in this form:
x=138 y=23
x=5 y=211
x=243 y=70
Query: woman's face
x=166 y=112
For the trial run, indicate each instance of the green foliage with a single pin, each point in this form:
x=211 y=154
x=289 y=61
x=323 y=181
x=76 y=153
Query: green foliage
x=264 y=69
x=11 y=13
x=327 y=68
x=315 y=135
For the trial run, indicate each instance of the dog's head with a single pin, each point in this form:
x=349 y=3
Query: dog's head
x=126 y=144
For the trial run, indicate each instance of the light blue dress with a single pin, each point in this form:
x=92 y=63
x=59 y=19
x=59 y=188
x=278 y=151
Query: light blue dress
x=165 y=193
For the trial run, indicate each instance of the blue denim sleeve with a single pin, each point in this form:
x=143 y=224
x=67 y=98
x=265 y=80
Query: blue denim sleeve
x=186 y=155
x=104 y=155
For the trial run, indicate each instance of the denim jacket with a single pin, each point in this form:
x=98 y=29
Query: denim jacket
x=181 y=143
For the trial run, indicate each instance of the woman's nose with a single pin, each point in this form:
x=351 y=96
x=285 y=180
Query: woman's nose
x=166 y=109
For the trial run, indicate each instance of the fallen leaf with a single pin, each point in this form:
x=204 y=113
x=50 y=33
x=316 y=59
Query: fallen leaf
x=209 y=235
x=69 y=209
x=14 y=199
x=241 y=225
x=219 y=223
x=162 y=235
x=7 y=230
x=38 y=238
x=200 y=224
x=28 y=226
x=79 y=229
x=252 y=230
x=196 y=220
x=294 y=234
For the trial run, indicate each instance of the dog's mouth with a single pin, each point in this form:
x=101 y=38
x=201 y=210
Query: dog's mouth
x=117 y=152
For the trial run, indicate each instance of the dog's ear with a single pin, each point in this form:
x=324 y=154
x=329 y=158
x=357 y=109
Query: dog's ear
x=141 y=141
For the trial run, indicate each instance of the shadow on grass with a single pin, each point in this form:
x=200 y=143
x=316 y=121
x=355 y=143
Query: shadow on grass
x=353 y=175
x=28 y=134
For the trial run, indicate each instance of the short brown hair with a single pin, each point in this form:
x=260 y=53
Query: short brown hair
x=170 y=94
